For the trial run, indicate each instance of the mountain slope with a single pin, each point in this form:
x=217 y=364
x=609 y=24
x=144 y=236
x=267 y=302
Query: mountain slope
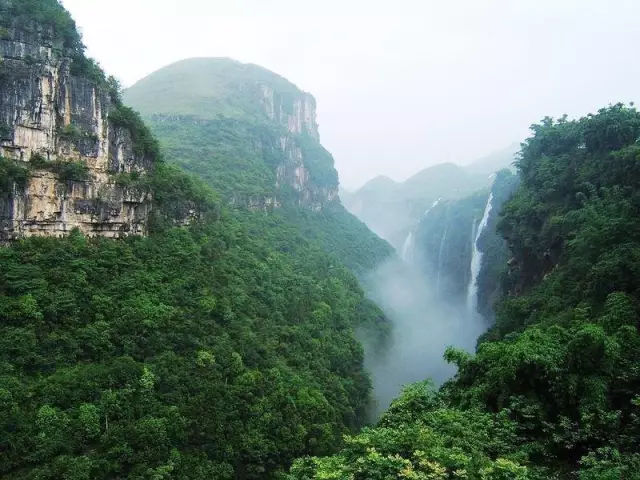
x=209 y=87
x=391 y=209
x=253 y=136
x=496 y=161
x=220 y=344
x=553 y=390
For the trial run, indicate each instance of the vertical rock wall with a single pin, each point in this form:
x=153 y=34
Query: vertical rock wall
x=50 y=115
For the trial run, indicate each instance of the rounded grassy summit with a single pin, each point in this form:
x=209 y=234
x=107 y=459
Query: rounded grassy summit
x=213 y=87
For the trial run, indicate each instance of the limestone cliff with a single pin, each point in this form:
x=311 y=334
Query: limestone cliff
x=54 y=112
x=256 y=133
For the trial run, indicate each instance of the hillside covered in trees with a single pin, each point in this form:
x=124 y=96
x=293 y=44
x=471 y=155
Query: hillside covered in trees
x=220 y=345
x=553 y=390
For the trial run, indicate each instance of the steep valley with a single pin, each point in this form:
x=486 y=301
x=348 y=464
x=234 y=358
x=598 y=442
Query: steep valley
x=186 y=292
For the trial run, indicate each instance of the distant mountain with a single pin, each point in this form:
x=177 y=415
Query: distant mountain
x=253 y=136
x=495 y=161
x=390 y=209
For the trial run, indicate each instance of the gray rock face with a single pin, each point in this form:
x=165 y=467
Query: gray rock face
x=50 y=114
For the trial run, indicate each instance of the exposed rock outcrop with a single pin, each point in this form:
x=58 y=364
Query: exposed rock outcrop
x=53 y=114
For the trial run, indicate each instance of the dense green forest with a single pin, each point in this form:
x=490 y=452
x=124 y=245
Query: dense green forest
x=220 y=346
x=222 y=350
x=553 y=390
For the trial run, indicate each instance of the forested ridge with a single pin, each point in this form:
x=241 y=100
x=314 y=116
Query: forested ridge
x=220 y=346
x=553 y=390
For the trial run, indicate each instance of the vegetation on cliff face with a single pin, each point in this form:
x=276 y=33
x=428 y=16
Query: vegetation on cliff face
x=212 y=121
x=30 y=16
x=553 y=391
x=221 y=346
x=12 y=174
x=222 y=350
x=211 y=87
x=493 y=246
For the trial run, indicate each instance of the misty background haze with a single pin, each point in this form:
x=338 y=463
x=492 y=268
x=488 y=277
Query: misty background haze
x=400 y=85
x=424 y=323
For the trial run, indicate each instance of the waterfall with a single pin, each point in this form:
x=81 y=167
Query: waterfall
x=407 y=248
x=442 y=243
x=433 y=205
x=409 y=244
x=476 y=260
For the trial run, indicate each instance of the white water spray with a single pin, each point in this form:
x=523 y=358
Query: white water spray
x=442 y=243
x=407 y=248
x=433 y=205
x=476 y=260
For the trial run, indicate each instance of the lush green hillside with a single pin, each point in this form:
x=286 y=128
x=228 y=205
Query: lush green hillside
x=554 y=390
x=221 y=346
x=215 y=121
x=208 y=88
x=198 y=352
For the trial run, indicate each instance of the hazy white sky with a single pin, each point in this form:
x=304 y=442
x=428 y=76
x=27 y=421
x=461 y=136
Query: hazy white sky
x=401 y=84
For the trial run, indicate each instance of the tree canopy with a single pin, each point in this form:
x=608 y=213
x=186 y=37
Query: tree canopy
x=553 y=390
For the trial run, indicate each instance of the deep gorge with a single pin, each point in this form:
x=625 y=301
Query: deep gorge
x=186 y=291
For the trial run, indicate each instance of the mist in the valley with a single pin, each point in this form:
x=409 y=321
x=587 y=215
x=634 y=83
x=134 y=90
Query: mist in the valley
x=424 y=324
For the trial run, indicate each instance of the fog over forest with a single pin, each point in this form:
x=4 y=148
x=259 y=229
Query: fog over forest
x=252 y=240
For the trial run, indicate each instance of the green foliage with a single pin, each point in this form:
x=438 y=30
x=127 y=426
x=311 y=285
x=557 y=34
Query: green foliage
x=177 y=197
x=421 y=438
x=6 y=131
x=72 y=134
x=144 y=143
x=37 y=161
x=222 y=350
x=30 y=15
x=82 y=66
x=227 y=347
x=69 y=170
x=552 y=391
x=208 y=88
x=563 y=357
x=318 y=161
x=12 y=174
x=340 y=233
x=65 y=170
x=225 y=153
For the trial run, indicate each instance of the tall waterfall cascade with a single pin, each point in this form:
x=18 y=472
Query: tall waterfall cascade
x=476 y=259
x=440 y=252
x=433 y=205
x=407 y=248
